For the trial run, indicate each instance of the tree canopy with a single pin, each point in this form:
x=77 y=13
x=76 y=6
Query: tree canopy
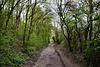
x=26 y=26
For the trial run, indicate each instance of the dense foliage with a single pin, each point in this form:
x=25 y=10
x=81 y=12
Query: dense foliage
x=79 y=28
x=24 y=29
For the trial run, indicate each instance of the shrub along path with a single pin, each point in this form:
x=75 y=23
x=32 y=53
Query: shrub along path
x=51 y=57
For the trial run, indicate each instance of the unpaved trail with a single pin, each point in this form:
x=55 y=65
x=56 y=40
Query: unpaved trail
x=52 y=57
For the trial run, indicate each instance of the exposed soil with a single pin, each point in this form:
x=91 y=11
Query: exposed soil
x=51 y=56
x=77 y=61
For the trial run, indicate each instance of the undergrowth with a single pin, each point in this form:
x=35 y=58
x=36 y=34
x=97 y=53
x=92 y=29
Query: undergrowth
x=11 y=50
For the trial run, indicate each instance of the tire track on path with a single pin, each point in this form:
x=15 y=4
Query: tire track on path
x=59 y=57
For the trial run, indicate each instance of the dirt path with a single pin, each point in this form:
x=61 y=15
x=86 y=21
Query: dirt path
x=52 y=57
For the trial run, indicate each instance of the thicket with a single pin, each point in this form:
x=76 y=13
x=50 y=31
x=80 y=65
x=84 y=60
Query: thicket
x=24 y=29
x=79 y=29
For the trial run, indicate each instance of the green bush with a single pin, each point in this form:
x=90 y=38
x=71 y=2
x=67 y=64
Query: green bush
x=92 y=53
x=10 y=56
x=11 y=59
x=62 y=45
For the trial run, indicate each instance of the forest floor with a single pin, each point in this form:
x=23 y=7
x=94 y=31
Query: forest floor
x=51 y=56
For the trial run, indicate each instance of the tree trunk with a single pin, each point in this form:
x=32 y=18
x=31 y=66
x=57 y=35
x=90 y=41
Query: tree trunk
x=30 y=29
x=10 y=13
x=90 y=19
x=25 y=27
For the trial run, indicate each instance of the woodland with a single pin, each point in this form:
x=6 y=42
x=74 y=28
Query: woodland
x=26 y=26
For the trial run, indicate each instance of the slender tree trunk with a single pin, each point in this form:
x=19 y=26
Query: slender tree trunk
x=79 y=35
x=17 y=20
x=66 y=37
x=80 y=39
x=3 y=4
x=90 y=19
x=30 y=29
x=25 y=28
x=10 y=13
